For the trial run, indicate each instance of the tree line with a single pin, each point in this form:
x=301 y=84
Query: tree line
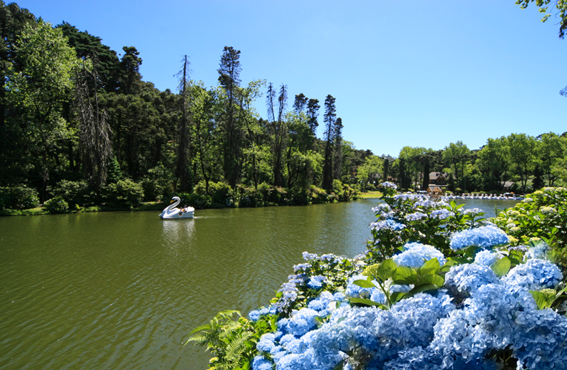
x=516 y=162
x=73 y=111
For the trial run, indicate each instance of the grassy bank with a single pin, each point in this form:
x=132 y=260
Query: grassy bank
x=370 y=195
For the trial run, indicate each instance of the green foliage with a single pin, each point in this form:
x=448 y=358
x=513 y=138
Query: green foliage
x=550 y=298
x=124 y=193
x=114 y=172
x=543 y=6
x=221 y=193
x=56 y=205
x=157 y=183
x=541 y=216
x=371 y=168
x=18 y=197
x=195 y=200
x=74 y=192
x=232 y=339
x=426 y=278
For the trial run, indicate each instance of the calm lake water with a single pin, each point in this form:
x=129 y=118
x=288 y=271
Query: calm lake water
x=122 y=290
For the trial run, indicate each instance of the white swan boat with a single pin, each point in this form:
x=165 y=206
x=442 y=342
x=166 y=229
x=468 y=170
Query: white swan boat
x=173 y=213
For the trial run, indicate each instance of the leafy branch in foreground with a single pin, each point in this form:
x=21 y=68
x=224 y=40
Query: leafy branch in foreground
x=231 y=338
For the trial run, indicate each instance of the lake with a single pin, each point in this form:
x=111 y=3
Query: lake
x=122 y=290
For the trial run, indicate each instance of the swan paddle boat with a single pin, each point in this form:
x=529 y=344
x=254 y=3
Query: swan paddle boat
x=173 y=213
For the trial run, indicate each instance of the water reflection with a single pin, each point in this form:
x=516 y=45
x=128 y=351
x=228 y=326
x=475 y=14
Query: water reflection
x=178 y=230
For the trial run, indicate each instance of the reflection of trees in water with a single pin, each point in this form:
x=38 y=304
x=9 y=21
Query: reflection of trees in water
x=177 y=233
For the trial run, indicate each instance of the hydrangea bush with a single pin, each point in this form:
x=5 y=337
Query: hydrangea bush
x=541 y=216
x=457 y=297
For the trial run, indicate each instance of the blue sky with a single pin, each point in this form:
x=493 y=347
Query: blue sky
x=417 y=73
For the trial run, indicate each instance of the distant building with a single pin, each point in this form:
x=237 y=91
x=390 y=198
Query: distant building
x=438 y=178
x=435 y=190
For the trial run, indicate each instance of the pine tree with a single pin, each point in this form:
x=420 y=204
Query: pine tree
x=300 y=103
x=329 y=119
x=229 y=79
x=338 y=148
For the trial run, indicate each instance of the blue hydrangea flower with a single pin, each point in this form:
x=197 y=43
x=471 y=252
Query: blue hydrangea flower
x=535 y=274
x=538 y=251
x=416 y=254
x=441 y=214
x=381 y=207
x=484 y=237
x=260 y=363
x=309 y=256
x=467 y=278
x=487 y=257
x=389 y=185
x=316 y=282
x=387 y=225
x=415 y=216
x=254 y=315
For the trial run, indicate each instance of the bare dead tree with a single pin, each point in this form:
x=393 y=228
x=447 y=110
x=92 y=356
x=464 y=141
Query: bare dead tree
x=183 y=171
x=95 y=146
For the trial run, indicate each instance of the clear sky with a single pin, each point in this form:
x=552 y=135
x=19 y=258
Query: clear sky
x=414 y=72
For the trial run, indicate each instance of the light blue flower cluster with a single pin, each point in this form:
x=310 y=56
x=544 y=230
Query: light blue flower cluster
x=468 y=278
x=389 y=185
x=487 y=257
x=415 y=216
x=416 y=254
x=256 y=314
x=381 y=207
x=316 y=282
x=535 y=274
x=387 y=225
x=484 y=237
x=538 y=251
x=441 y=214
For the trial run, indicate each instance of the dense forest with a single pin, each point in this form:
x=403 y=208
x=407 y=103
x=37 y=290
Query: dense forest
x=77 y=118
x=79 y=124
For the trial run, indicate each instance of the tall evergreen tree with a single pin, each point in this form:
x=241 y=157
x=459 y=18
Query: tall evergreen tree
x=86 y=45
x=229 y=79
x=337 y=148
x=300 y=103
x=130 y=70
x=329 y=119
x=12 y=22
x=312 y=112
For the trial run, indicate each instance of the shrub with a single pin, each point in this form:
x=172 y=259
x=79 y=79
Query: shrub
x=18 y=197
x=74 y=192
x=542 y=215
x=249 y=197
x=273 y=194
x=123 y=193
x=221 y=193
x=157 y=184
x=195 y=200
x=56 y=205
x=317 y=195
